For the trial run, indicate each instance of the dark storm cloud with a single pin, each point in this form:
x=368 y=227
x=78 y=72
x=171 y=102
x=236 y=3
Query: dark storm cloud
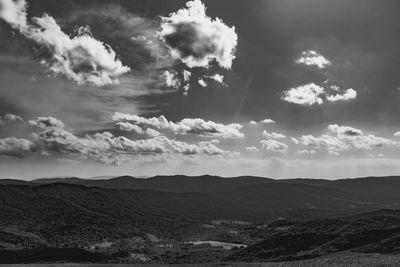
x=197 y=39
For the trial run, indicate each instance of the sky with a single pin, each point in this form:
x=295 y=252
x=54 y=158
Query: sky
x=273 y=88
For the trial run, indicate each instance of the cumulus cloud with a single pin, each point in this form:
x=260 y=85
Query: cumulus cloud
x=273 y=135
x=344 y=130
x=186 y=75
x=196 y=39
x=327 y=142
x=81 y=58
x=274 y=146
x=294 y=140
x=202 y=83
x=397 y=134
x=307 y=94
x=171 y=79
x=347 y=95
x=15 y=147
x=217 y=77
x=333 y=153
x=14 y=12
x=185 y=126
x=252 y=149
x=358 y=139
x=310 y=94
x=313 y=58
x=107 y=148
x=10 y=118
x=370 y=141
x=126 y=126
x=345 y=138
x=305 y=152
x=46 y=122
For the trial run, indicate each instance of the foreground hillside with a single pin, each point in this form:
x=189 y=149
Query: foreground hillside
x=335 y=260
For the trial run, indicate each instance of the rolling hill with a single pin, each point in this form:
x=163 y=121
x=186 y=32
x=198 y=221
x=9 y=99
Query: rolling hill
x=374 y=232
x=304 y=217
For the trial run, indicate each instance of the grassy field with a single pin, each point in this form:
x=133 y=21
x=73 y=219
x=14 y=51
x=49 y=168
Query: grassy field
x=334 y=260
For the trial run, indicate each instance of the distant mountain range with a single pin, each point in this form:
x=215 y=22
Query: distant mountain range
x=257 y=194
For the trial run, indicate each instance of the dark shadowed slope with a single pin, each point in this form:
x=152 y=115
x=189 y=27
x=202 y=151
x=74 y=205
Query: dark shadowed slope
x=64 y=212
x=261 y=197
x=14 y=182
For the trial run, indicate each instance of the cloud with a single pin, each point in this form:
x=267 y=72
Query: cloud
x=347 y=95
x=68 y=161
x=185 y=126
x=294 y=140
x=253 y=123
x=267 y=121
x=14 y=12
x=307 y=95
x=273 y=135
x=274 y=146
x=344 y=130
x=107 y=148
x=310 y=94
x=171 y=79
x=252 y=149
x=126 y=126
x=196 y=39
x=327 y=142
x=186 y=75
x=15 y=147
x=357 y=139
x=397 y=134
x=306 y=151
x=313 y=58
x=345 y=138
x=46 y=122
x=202 y=83
x=10 y=118
x=371 y=141
x=81 y=58
x=217 y=77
